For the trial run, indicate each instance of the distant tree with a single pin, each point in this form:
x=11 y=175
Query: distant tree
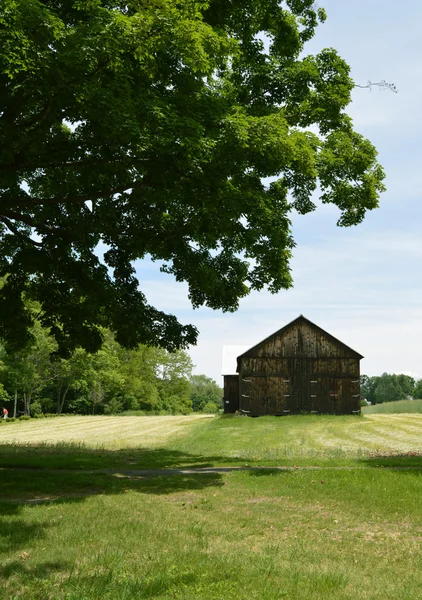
x=407 y=384
x=140 y=372
x=367 y=388
x=205 y=394
x=100 y=381
x=163 y=116
x=27 y=371
x=417 y=392
x=66 y=375
x=388 y=389
x=173 y=382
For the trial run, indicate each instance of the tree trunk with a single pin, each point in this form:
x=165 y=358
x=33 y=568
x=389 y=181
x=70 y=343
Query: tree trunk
x=61 y=401
x=26 y=403
x=15 y=406
x=59 y=405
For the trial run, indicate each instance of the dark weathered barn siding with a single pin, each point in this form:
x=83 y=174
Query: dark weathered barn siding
x=300 y=368
x=231 y=393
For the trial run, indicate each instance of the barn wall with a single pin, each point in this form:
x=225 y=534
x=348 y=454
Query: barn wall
x=278 y=367
x=231 y=394
x=301 y=369
x=302 y=339
x=303 y=385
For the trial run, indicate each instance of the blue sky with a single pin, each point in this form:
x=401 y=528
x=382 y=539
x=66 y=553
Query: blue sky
x=364 y=284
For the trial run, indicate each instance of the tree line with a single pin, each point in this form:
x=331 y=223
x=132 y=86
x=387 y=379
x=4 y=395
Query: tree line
x=389 y=387
x=112 y=380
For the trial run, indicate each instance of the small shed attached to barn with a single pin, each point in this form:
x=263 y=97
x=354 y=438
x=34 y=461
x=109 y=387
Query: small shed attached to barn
x=300 y=368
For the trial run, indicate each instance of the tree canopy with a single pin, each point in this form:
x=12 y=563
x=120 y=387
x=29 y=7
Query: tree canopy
x=149 y=127
x=389 y=387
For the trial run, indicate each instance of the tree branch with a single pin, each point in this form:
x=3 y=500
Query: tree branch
x=9 y=214
x=18 y=233
x=381 y=84
x=70 y=163
x=31 y=201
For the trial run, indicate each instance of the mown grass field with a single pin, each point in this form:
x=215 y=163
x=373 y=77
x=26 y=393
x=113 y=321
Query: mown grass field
x=350 y=529
x=401 y=406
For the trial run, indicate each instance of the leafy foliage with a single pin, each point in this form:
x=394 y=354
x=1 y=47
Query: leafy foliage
x=389 y=387
x=165 y=116
x=110 y=381
x=206 y=395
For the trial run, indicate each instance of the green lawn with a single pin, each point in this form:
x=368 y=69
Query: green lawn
x=348 y=533
x=401 y=406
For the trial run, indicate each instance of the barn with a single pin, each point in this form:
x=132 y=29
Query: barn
x=300 y=368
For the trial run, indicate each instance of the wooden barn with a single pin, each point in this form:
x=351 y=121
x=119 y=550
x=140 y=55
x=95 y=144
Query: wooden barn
x=300 y=368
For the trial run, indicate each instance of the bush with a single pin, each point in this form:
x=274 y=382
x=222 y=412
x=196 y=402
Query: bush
x=36 y=409
x=24 y=418
x=210 y=408
x=113 y=407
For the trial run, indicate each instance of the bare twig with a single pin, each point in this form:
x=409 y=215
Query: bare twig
x=384 y=85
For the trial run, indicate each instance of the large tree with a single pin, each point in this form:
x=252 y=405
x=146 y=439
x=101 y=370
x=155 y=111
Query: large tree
x=149 y=127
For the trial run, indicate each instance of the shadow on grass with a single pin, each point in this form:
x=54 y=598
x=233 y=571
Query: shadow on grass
x=13 y=535
x=268 y=472
x=78 y=456
x=109 y=586
x=40 y=487
x=37 y=572
x=406 y=462
x=22 y=490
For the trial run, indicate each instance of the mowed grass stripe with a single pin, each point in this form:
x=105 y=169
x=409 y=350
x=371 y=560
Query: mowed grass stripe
x=267 y=439
x=408 y=422
x=399 y=436
x=380 y=436
x=118 y=431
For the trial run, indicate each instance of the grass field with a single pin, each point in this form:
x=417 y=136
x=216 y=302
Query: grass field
x=351 y=532
x=401 y=406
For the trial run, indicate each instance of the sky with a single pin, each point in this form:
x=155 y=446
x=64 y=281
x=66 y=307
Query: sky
x=361 y=284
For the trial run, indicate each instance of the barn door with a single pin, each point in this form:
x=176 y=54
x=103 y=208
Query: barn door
x=334 y=396
x=277 y=395
x=262 y=396
x=300 y=385
x=231 y=393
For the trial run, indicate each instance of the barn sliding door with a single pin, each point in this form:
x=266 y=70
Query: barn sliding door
x=300 y=385
x=262 y=396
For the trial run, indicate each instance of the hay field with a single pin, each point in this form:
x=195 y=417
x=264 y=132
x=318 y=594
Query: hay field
x=183 y=440
x=110 y=432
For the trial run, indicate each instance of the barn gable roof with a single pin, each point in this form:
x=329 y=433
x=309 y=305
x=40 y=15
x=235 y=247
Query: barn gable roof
x=251 y=351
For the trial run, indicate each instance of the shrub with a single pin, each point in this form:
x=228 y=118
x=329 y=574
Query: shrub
x=210 y=408
x=36 y=408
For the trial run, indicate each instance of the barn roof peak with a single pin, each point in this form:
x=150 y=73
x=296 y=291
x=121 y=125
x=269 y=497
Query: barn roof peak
x=301 y=317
